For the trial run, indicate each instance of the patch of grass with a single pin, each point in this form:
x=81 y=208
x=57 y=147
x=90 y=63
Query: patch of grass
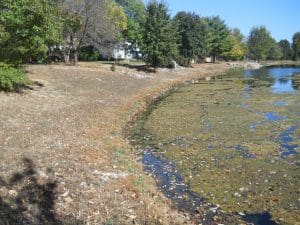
x=12 y=79
x=119 y=154
x=298 y=132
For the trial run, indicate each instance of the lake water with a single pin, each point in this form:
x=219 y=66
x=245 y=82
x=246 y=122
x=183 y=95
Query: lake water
x=228 y=149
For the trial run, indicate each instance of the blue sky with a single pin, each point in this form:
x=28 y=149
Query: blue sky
x=281 y=17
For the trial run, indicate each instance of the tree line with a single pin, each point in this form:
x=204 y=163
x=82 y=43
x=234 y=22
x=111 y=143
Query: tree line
x=43 y=30
x=189 y=37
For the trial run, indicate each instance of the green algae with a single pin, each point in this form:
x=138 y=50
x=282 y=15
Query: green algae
x=226 y=146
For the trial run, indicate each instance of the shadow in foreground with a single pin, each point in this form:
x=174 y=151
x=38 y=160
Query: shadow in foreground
x=29 y=201
x=259 y=219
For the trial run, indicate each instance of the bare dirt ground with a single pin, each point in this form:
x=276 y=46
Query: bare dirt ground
x=63 y=157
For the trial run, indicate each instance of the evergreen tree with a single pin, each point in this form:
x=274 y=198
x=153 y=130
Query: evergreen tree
x=193 y=34
x=285 y=49
x=296 y=46
x=159 y=36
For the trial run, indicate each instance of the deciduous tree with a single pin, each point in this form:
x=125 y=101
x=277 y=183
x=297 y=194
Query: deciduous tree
x=220 y=41
x=259 y=43
x=286 y=49
x=274 y=50
x=27 y=29
x=236 y=51
x=135 y=12
x=92 y=22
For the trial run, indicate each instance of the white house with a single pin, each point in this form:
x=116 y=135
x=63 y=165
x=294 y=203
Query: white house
x=125 y=52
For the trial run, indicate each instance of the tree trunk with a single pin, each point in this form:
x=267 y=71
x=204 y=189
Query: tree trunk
x=75 y=57
x=67 y=55
x=214 y=58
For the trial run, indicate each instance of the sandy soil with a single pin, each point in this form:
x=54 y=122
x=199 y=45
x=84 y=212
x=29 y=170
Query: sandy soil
x=63 y=157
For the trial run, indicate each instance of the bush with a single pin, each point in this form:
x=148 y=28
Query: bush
x=12 y=79
x=182 y=61
x=88 y=53
x=113 y=67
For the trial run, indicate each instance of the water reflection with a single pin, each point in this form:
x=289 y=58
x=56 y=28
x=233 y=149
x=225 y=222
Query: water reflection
x=272 y=117
x=233 y=142
x=282 y=86
x=280 y=103
x=281 y=80
x=287 y=142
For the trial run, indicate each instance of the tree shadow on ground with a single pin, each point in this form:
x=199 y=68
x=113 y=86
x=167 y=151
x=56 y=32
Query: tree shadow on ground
x=140 y=68
x=30 y=202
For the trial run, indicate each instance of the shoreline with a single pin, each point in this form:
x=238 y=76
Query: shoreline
x=164 y=170
x=71 y=128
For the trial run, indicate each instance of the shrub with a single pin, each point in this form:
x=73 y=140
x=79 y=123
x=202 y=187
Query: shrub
x=113 y=67
x=88 y=53
x=12 y=79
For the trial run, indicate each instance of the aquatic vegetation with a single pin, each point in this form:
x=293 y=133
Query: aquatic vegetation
x=235 y=142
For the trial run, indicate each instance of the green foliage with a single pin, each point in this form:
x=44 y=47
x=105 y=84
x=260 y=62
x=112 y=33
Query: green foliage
x=135 y=11
x=285 y=49
x=236 y=33
x=27 y=28
x=113 y=67
x=259 y=43
x=296 y=46
x=219 y=40
x=194 y=36
x=133 y=32
x=239 y=47
x=117 y=16
x=4 y=36
x=12 y=79
x=72 y=23
x=274 y=50
x=159 y=36
x=88 y=53
x=236 y=51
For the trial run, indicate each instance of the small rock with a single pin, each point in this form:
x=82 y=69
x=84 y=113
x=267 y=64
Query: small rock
x=241 y=214
x=42 y=174
x=65 y=194
x=84 y=185
x=12 y=193
x=68 y=199
x=236 y=194
x=96 y=172
x=131 y=217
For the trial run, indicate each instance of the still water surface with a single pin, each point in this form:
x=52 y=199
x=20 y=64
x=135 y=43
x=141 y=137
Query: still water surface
x=229 y=148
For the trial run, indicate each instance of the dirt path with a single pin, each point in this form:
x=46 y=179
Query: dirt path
x=63 y=158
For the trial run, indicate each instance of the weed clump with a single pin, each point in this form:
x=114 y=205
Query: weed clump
x=113 y=67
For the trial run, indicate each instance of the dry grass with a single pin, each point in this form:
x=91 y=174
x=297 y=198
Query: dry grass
x=71 y=128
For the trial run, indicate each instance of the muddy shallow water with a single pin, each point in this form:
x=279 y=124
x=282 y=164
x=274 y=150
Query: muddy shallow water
x=229 y=146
